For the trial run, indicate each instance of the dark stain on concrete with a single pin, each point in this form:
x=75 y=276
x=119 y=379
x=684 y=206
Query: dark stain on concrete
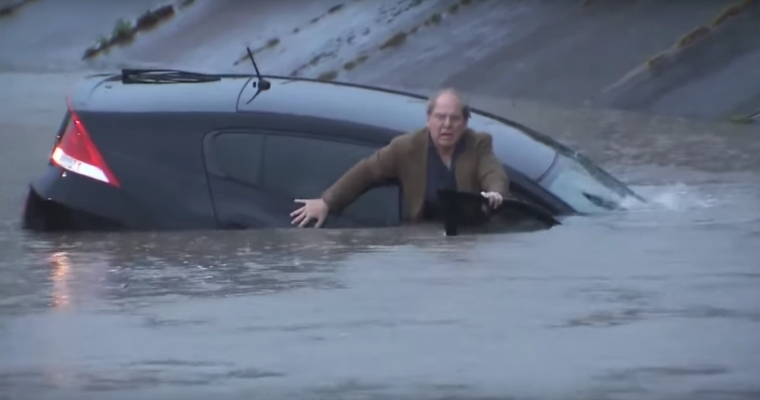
x=313 y=62
x=328 y=76
x=331 y=10
x=271 y=43
x=697 y=53
x=394 y=41
x=125 y=31
x=349 y=65
x=10 y=9
x=434 y=19
x=692 y=37
x=186 y=3
x=731 y=12
x=355 y=63
x=335 y=9
x=398 y=39
x=150 y=19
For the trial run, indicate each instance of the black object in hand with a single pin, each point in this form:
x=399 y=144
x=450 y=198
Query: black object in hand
x=466 y=208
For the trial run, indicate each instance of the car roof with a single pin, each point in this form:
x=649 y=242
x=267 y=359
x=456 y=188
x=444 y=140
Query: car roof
x=389 y=109
x=527 y=151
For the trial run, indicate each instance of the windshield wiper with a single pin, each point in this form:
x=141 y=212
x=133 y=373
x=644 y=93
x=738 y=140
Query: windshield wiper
x=165 y=76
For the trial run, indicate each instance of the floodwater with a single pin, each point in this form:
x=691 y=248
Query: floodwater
x=661 y=301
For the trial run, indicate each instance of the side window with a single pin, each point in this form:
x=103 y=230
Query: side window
x=304 y=167
x=237 y=156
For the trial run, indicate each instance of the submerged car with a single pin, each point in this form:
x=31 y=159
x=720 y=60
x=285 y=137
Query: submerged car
x=171 y=150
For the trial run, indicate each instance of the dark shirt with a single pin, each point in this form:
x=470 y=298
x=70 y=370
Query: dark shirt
x=439 y=176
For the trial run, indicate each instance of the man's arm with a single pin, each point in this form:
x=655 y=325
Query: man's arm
x=378 y=167
x=491 y=173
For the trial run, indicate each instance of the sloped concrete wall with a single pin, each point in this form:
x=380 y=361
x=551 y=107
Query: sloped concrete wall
x=621 y=54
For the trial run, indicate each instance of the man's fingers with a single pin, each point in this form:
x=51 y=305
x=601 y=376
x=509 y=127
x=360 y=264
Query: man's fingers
x=300 y=210
x=494 y=199
x=298 y=219
x=305 y=221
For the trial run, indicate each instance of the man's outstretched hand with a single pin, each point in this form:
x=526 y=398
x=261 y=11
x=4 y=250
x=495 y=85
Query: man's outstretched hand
x=312 y=209
x=494 y=198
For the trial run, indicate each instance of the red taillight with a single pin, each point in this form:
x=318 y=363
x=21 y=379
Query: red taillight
x=77 y=153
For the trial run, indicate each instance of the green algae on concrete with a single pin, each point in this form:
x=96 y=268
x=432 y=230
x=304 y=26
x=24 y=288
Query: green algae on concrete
x=690 y=39
x=271 y=43
x=434 y=19
x=125 y=30
x=730 y=12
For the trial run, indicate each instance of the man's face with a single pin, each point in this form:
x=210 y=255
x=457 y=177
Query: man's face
x=446 y=122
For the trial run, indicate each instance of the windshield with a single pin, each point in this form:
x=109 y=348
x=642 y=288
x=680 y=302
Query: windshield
x=584 y=186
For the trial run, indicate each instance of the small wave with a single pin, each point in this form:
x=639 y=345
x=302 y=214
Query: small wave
x=676 y=197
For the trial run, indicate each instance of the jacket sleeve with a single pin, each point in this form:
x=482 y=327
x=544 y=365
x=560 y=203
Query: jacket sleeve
x=491 y=173
x=378 y=167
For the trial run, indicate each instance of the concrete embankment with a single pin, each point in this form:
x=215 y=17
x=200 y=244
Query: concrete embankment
x=696 y=59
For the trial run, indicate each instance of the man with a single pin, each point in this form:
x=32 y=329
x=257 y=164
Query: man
x=445 y=155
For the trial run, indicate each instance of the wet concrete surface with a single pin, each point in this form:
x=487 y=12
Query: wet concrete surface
x=657 y=302
x=559 y=52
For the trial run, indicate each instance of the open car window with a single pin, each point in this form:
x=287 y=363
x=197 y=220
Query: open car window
x=304 y=167
x=257 y=175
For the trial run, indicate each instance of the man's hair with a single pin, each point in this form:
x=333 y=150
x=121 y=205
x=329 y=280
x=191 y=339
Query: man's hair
x=434 y=98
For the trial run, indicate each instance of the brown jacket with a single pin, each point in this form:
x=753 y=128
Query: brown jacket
x=405 y=158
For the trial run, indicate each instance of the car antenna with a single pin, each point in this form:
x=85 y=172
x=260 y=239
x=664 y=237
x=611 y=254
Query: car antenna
x=260 y=83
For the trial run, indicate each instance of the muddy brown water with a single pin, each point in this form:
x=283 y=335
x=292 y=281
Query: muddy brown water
x=660 y=301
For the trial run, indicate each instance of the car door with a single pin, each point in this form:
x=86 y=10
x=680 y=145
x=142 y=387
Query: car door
x=254 y=177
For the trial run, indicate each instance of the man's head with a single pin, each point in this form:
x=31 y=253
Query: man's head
x=447 y=118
